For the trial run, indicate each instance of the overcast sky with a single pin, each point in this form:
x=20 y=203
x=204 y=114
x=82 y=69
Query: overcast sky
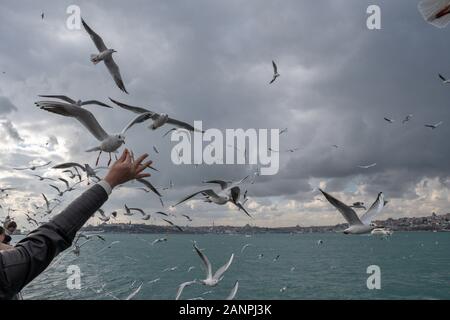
x=211 y=61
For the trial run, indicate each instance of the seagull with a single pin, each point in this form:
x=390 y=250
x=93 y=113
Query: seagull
x=42 y=178
x=187 y=217
x=78 y=103
x=182 y=286
x=230 y=193
x=283 y=131
x=434 y=126
x=42 y=16
x=275 y=72
x=276 y=258
x=358 y=205
x=233 y=291
x=34 y=167
x=105 y=55
x=174 y=225
x=367 y=166
x=444 y=80
x=2 y=190
x=335 y=146
x=158 y=119
x=191 y=268
x=170 y=269
x=435 y=12
x=90 y=172
x=245 y=247
x=156 y=150
x=357 y=225
x=68 y=187
x=149 y=185
x=212 y=280
x=389 y=120
x=134 y=293
x=60 y=193
x=159 y=240
x=407 y=118
x=47 y=204
x=108 y=143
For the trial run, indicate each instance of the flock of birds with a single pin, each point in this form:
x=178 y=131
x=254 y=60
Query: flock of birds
x=230 y=192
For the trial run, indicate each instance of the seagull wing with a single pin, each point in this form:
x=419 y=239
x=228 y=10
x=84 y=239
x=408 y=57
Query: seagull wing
x=181 y=124
x=138 y=119
x=275 y=68
x=348 y=213
x=173 y=224
x=98 y=41
x=149 y=185
x=208 y=191
x=374 y=209
x=233 y=291
x=114 y=70
x=181 y=288
x=223 y=269
x=205 y=262
x=61 y=97
x=69 y=165
x=85 y=117
x=135 y=292
x=240 y=206
x=46 y=201
x=65 y=181
x=139 y=210
x=223 y=184
x=130 y=108
x=442 y=77
x=95 y=102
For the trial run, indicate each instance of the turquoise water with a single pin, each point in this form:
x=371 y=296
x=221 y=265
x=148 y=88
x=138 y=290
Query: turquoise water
x=413 y=265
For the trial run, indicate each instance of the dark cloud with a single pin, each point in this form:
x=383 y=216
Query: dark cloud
x=211 y=61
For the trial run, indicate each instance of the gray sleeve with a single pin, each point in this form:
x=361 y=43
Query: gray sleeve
x=33 y=254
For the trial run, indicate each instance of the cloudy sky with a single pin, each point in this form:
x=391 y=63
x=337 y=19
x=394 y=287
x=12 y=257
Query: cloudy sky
x=211 y=61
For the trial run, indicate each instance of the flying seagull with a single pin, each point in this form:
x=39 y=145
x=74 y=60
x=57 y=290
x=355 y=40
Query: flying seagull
x=233 y=291
x=444 y=80
x=90 y=172
x=357 y=225
x=34 y=167
x=407 y=118
x=435 y=12
x=275 y=72
x=78 y=103
x=212 y=280
x=367 y=166
x=105 y=55
x=434 y=126
x=158 y=119
x=173 y=224
x=108 y=142
x=389 y=120
x=229 y=193
x=42 y=178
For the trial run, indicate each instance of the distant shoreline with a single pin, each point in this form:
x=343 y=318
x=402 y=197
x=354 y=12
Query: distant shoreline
x=433 y=223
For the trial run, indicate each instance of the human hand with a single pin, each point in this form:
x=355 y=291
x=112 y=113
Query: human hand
x=126 y=169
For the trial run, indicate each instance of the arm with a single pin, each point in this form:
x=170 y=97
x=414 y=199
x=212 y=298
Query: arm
x=34 y=253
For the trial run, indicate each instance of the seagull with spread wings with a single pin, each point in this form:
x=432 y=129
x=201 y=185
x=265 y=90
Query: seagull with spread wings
x=211 y=279
x=358 y=225
x=158 y=119
x=275 y=72
x=105 y=55
x=108 y=142
x=230 y=192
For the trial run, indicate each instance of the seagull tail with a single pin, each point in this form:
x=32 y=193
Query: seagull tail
x=93 y=149
x=94 y=59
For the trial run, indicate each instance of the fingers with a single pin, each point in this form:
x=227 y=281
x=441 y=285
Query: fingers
x=143 y=175
x=140 y=159
x=144 y=166
x=123 y=156
x=128 y=158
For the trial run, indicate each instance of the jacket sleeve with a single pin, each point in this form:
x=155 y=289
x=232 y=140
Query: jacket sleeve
x=33 y=254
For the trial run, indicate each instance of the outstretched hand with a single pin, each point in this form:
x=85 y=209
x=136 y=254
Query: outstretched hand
x=126 y=169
